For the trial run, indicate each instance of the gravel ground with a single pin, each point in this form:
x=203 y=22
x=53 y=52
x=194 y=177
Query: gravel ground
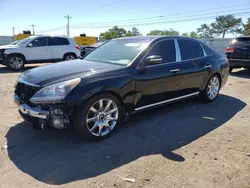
x=187 y=144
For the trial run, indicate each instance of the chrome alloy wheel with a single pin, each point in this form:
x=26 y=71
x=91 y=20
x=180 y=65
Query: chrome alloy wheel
x=102 y=117
x=213 y=88
x=70 y=57
x=16 y=62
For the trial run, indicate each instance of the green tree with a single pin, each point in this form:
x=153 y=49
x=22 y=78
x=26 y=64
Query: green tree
x=205 y=31
x=155 y=32
x=226 y=24
x=170 y=32
x=185 y=34
x=246 y=28
x=129 y=33
x=135 y=32
x=115 y=32
x=193 y=34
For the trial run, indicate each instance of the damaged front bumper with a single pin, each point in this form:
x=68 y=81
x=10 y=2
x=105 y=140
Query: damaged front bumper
x=31 y=111
x=40 y=118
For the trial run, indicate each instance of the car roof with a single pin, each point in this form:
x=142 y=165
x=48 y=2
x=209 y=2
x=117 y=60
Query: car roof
x=150 y=38
x=50 y=36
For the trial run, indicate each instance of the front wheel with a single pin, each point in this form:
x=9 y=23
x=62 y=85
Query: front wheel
x=15 y=62
x=98 y=117
x=211 y=91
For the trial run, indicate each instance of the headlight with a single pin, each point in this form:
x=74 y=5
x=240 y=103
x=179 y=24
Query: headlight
x=55 y=93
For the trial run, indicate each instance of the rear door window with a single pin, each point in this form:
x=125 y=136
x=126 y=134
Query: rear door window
x=58 y=41
x=207 y=50
x=165 y=49
x=190 y=49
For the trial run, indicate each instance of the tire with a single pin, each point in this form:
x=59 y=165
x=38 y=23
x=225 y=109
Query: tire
x=15 y=62
x=98 y=119
x=69 y=56
x=230 y=69
x=213 y=85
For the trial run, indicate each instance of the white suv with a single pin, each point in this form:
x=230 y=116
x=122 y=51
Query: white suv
x=38 y=49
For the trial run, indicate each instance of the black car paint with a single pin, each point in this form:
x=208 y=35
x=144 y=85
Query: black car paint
x=134 y=85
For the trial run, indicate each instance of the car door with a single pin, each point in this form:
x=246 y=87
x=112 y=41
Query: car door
x=58 y=46
x=156 y=83
x=194 y=66
x=38 y=50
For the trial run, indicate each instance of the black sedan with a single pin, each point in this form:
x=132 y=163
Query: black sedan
x=121 y=77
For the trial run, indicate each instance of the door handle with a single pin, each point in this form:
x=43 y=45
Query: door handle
x=208 y=66
x=174 y=70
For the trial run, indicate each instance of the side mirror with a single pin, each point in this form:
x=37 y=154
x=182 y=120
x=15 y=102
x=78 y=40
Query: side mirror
x=30 y=45
x=153 y=60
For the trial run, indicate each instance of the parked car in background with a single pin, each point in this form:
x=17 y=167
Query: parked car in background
x=38 y=49
x=238 y=53
x=119 y=78
x=86 y=50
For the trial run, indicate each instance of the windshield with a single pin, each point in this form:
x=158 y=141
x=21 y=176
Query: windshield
x=120 y=51
x=26 y=40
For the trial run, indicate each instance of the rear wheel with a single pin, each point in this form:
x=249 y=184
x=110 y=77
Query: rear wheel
x=212 y=89
x=15 y=62
x=98 y=117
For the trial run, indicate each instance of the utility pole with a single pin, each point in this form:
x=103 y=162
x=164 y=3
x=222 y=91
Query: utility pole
x=67 y=26
x=33 y=28
x=13 y=29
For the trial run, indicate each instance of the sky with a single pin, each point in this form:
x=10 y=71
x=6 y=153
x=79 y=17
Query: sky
x=95 y=16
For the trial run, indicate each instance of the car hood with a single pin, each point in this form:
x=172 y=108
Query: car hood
x=58 y=72
x=8 y=46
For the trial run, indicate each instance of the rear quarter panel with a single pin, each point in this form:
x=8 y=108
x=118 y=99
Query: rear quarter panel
x=220 y=66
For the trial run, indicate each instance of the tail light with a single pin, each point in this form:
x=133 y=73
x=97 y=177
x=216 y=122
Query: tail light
x=229 y=49
x=77 y=47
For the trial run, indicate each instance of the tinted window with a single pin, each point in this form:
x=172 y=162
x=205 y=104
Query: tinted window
x=165 y=49
x=39 y=42
x=207 y=50
x=190 y=49
x=56 y=41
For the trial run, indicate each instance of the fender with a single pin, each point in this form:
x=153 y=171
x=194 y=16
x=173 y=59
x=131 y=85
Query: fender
x=123 y=87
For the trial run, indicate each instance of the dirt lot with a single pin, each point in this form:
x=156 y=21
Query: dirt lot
x=188 y=144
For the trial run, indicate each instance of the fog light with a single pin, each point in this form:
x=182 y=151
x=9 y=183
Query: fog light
x=58 y=123
x=57 y=117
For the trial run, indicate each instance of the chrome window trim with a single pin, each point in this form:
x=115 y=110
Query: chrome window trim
x=239 y=59
x=204 y=52
x=154 y=46
x=167 y=101
x=27 y=83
